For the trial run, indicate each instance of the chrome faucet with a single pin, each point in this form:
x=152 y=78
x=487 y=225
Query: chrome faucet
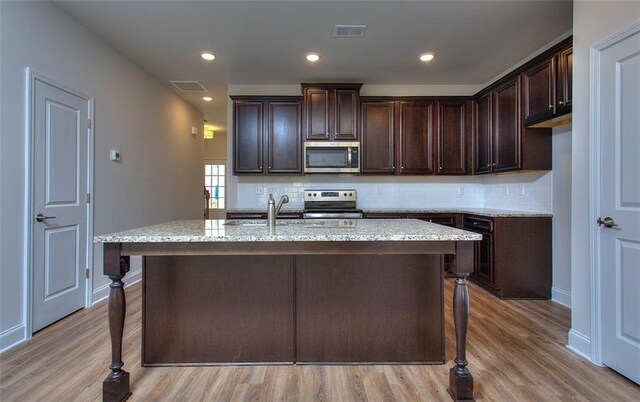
x=273 y=209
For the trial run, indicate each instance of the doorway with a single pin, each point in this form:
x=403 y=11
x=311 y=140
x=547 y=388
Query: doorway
x=59 y=216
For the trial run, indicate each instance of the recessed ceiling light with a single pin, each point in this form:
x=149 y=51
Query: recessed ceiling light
x=313 y=57
x=426 y=56
x=208 y=56
x=207 y=98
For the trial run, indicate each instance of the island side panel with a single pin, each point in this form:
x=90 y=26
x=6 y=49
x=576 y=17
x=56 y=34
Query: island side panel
x=218 y=309
x=369 y=308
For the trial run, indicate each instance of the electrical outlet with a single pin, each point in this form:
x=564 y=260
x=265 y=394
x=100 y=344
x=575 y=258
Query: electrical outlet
x=258 y=190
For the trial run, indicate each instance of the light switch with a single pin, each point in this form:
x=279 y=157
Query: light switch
x=114 y=155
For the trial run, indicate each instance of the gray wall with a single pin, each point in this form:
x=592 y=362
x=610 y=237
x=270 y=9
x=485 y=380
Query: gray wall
x=561 y=155
x=160 y=176
x=592 y=22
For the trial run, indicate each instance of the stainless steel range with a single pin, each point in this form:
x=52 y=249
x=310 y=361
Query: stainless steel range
x=331 y=204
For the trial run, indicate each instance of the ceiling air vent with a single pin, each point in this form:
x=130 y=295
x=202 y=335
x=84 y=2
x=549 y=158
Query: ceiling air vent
x=189 y=86
x=349 y=31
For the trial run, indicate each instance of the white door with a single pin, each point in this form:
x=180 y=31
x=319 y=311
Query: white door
x=619 y=114
x=59 y=215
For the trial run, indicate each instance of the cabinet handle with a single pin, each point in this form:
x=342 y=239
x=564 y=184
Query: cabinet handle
x=550 y=106
x=560 y=102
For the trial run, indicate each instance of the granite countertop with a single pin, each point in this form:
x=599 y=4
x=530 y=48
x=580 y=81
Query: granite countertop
x=494 y=213
x=289 y=231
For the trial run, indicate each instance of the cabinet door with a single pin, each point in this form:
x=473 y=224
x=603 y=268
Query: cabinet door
x=416 y=137
x=248 y=149
x=378 y=137
x=316 y=113
x=483 y=135
x=284 y=137
x=453 y=131
x=484 y=259
x=345 y=114
x=506 y=127
x=565 y=81
x=539 y=91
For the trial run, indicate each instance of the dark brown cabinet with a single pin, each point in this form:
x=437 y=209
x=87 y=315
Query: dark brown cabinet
x=283 y=134
x=483 y=135
x=267 y=129
x=454 y=133
x=501 y=142
x=248 y=136
x=506 y=126
x=513 y=259
x=378 y=137
x=547 y=93
x=539 y=91
x=564 y=83
x=331 y=111
x=417 y=120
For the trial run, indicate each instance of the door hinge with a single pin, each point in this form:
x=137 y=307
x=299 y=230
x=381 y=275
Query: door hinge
x=86 y=273
x=88 y=123
x=87 y=198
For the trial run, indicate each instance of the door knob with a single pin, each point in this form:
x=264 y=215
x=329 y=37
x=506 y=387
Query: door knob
x=42 y=218
x=607 y=222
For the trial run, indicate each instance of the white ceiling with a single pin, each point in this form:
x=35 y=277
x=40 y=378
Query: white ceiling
x=264 y=42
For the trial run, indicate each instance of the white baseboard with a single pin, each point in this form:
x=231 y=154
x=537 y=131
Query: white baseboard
x=579 y=344
x=11 y=337
x=102 y=292
x=561 y=297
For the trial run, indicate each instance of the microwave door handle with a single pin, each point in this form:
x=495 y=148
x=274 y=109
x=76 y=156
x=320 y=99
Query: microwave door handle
x=349 y=156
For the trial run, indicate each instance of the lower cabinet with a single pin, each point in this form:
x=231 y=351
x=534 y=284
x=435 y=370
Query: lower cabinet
x=513 y=259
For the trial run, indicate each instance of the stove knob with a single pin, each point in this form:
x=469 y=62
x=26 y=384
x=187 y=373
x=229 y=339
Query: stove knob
x=345 y=194
x=309 y=194
x=315 y=194
x=350 y=194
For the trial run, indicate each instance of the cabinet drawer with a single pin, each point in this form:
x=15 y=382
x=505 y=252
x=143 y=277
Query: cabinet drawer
x=243 y=215
x=446 y=220
x=474 y=223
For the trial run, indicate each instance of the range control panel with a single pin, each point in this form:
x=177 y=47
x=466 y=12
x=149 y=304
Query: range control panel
x=330 y=195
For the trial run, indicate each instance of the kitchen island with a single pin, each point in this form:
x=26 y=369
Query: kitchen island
x=303 y=292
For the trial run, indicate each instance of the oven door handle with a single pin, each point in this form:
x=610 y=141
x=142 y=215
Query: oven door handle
x=329 y=215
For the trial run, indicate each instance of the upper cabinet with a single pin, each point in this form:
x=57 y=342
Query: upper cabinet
x=331 y=111
x=417 y=127
x=506 y=126
x=564 y=82
x=547 y=89
x=501 y=142
x=415 y=136
x=455 y=126
x=378 y=137
x=539 y=97
x=267 y=129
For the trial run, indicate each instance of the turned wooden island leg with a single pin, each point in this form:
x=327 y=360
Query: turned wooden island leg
x=460 y=379
x=116 y=386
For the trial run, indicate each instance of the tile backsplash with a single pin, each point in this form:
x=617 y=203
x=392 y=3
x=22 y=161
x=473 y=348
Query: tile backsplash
x=522 y=191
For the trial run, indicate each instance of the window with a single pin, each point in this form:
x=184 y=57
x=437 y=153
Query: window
x=214 y=182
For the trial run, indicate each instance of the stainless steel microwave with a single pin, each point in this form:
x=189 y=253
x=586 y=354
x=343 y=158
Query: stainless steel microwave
x=331 y=157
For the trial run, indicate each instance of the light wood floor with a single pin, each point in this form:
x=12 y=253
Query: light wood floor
x=516 y=353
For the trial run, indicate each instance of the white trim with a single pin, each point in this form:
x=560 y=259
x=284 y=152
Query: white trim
x=102 y=292
x=31 y=76
x=12 y=337
x=561 y=296
x=579 y=344
x=594 y=183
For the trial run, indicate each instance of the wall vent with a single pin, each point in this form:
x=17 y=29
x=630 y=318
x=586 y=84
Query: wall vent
x=189 y=86
x=349 y=31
